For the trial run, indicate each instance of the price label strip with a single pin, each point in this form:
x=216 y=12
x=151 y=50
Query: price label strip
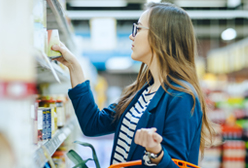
x=49 y=158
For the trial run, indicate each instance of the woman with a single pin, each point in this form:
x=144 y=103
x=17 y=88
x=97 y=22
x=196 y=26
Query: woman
x=162 y=115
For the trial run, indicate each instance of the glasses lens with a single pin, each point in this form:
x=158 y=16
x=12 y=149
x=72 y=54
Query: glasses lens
x=134 y=30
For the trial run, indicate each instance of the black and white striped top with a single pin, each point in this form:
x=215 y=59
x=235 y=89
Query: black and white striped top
x=128 y=126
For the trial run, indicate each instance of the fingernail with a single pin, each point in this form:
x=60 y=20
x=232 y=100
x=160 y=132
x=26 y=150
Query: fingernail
x=55 y=47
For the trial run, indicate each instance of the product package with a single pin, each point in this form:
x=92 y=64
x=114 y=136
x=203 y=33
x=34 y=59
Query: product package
x=44 y=123
x=42 y=126
x=49 y=123
x=49 y=102
x=34 y=116
x=60 y=113
x=53 y=39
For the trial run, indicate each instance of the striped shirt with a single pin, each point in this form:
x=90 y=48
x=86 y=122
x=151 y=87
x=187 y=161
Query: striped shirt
x=128 y=126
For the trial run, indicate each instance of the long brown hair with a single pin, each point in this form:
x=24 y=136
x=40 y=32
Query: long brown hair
x=172 y=40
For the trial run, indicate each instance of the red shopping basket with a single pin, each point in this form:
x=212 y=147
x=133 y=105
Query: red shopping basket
x=179 y=163
x=78 y=161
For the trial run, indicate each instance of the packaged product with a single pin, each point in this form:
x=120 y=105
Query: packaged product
x=59 y=159
x=53 y=39
x=49 y=123
x=44 y=123
x=41 y=125
x=48 y=102
x=35 y=121
x=60 y=113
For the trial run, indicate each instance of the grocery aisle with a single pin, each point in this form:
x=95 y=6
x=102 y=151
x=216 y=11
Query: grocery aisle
x=226 y=89
x=38 y=125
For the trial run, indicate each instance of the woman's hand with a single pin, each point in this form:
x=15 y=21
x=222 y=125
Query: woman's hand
x=148 y=138
x=68 y=59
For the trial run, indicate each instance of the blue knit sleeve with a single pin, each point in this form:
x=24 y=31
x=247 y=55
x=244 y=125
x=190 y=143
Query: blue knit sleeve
x=182 y=131
x=93 y=122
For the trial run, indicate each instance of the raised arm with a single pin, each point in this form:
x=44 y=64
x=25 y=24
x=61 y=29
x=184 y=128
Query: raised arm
x=69 y=60
x=93 y=122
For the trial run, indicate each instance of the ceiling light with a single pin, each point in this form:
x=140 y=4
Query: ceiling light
x=233 y=3
x=157 y=1
x=98 y=3
x=202 y=3
x=229 y=34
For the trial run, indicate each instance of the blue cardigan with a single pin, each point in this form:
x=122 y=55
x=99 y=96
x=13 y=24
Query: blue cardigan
x=169 y=113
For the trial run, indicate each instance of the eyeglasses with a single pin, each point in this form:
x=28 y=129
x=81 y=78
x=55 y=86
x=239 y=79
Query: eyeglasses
x=136 y=28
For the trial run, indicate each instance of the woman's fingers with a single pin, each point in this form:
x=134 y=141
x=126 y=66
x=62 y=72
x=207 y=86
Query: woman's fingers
x=137 y=137
x=58 y=48
x=143 y=139
x=67 y=57
x=154 y=129
x=60 y=59
x=61 y=47
x=147 y=138
x=157 y=137
x=150 y=141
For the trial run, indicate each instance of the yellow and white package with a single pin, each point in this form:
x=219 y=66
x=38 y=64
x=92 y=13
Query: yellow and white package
x=53 y=39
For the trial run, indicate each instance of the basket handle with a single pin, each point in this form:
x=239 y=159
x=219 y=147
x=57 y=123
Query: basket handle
x=126 y=164
x=179 y=163
x=184 y=164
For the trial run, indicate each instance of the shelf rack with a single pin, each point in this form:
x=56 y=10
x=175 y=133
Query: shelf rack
x=49 y=71
x=45 y=67
x=48 y=148
x=231 y=60
x=56 y=19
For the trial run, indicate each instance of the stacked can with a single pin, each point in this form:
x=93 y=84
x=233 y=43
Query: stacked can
x=60 y=109
x=234 y=154
x=44 y=123
x=34 y=109
x=234 y=151
x=245 y=137
x=49 y=102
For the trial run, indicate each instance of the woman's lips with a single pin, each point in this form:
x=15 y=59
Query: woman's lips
x=132 y=46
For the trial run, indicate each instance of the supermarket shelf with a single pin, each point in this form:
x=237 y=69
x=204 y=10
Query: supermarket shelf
x=242 y=74
x=135 y=14
x=50 y=146
x=48 y=71
x=230 y=60
x=56 y=19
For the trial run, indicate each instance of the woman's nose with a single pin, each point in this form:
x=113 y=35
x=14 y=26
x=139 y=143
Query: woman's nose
x=131 y=37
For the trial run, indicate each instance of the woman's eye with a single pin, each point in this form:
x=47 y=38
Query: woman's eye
x=138 y=28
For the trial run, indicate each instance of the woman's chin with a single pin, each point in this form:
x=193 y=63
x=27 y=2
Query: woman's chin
x=133 y=57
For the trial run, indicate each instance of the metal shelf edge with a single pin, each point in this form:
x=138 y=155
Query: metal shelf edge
x=45 y=64
x=61 y=20
x=53 y=144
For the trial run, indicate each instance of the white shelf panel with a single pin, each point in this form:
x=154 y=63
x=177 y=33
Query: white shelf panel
x=56 y=19
x=50 y=146
x=48 y=71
